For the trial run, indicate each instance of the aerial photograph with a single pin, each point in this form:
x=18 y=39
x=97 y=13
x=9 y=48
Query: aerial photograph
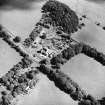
x=52 y=52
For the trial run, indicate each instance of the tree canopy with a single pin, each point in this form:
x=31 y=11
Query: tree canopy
x=61 y=15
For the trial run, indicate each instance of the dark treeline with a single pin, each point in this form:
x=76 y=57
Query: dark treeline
x=60 y=81
x=12 y=80
x=66 y=84
x=17 y=4
x=17 y=48
x=93 y=53
x=57 y=14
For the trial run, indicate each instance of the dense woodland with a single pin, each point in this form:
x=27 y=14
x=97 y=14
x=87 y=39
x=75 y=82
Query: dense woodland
x=61 y=15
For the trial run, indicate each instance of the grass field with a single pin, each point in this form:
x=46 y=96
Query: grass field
x=87 y=72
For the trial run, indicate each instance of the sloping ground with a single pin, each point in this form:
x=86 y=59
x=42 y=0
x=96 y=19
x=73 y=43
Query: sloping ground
x=95 y=11
x=88 y=73
x=76 y=72
x=8 y=58
x=20 y=21
x=92 y=35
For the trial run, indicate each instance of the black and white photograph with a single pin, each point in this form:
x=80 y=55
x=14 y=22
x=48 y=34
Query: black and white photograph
x=52 y=52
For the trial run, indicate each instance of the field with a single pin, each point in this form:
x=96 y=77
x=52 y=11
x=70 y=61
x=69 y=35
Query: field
x=89 y=74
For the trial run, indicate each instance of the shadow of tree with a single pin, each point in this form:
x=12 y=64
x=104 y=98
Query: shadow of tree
x=17 y=4
x=97 y=1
